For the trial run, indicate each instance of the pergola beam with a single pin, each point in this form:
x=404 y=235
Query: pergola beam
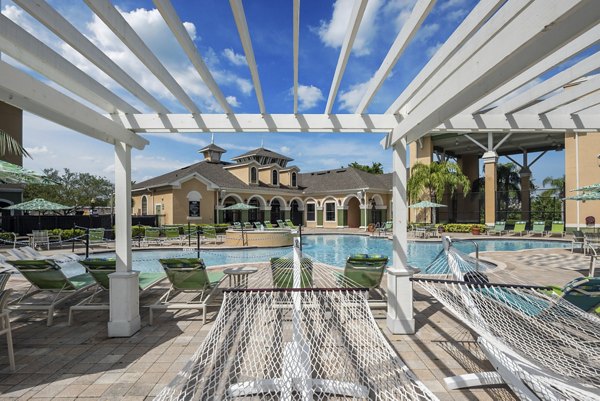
x=559 y=80
x=520 y=122
x=565 y=52
x=121 y=28
x=165 y=8
x=567 y=95
x=296 y=40
x=242 y=26
x=357 y=13
x=48 y=16
x=374 y=123
x=471 y=24
x=510 y=48
x=21 y=90
x=582 y=105
x=420 y=11
x=22 y=46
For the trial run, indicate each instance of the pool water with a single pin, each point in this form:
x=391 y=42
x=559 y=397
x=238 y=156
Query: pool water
x=330 y=249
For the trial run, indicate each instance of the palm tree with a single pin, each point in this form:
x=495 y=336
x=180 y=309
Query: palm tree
x=556 y=190
x=10 y=145
x=434 y=179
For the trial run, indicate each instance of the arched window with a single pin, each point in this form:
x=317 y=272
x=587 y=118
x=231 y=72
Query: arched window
x=253 y=175
x=144 y=206
x=293 y=179
x=275 y=177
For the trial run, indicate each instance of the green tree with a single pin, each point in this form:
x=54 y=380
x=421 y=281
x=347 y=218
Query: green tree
x=374 y=168
x=556 y=186
x=435 y=179
x=73 y=189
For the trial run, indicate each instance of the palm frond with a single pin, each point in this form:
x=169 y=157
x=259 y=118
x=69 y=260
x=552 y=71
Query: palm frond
x=9 y=145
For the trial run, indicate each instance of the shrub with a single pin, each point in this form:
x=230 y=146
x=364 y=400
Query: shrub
x=462 y=228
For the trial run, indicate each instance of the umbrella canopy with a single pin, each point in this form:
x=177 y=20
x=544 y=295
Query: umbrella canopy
x=14 y=174
x=424 y=204
x=38 y=204
x=593 y=187
x=585 y=196
x=240 y=206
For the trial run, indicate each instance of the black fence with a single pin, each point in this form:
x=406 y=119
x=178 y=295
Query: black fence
x=25 y=224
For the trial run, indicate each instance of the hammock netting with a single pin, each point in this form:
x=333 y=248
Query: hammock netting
x=316 y=341
x=551 y=345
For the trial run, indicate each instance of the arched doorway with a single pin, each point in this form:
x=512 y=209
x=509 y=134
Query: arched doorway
x=254 y=214
x=353 y=213
x=275 y=210
x=295 y=213
x=229 y=216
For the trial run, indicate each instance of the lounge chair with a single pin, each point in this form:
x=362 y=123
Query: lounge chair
x=187 y=276
x=558 y=228
x=268 y=225
x=519 y=228
x=189 y=234
x=152 y=236
x=578 y=240
x=210 y=234
x=386 y=228
x=259 y=225
x=46 y=276
x=172 y=235
x=237 y=225
x=248 y=226
x=281 y=224
x=282 y=270
x=538 y=228
x=364 y=271
x=289 y=224
x=583 y=292
x=96 y=236
x=499 y=228
x=591 y=242
x=28 y=253
x=99 y=269
x=5 y=326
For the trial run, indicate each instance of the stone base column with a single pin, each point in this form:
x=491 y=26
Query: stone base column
x=124 y=292
x=489 y=161
x=400 y=316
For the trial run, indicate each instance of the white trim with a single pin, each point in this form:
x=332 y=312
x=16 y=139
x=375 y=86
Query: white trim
x=300 y=201
x=227 y=195
x=197 y=196
x=346 y=200
x=177 y=183
x=275 y=174
x=261 y=201
x=306 y=212
x=282 y=202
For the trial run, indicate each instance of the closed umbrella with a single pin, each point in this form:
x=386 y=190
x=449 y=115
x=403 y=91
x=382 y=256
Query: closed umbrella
x=427 y=204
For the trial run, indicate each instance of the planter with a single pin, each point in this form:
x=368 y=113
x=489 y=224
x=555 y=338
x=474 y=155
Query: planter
x=475 y=230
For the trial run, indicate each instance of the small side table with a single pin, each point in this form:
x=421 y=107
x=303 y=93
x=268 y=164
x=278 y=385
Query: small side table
x=238 y=276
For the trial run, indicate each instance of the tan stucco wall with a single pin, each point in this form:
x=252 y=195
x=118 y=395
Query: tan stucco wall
x=589 y=173
x=180 y=205
x=242 y=172
x=264 y=175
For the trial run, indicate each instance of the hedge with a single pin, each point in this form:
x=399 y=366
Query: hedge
x=462 y=228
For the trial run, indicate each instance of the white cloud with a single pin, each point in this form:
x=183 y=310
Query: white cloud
x=285 y=149
x=349 y=99
x=232 y=100
x=456 y=15
x=37 y=150
x=447 y=4
x=308 y=96
x=401 y=9
x=431 y=50
x=234 y=58
x=427 y=31
x=332 y=32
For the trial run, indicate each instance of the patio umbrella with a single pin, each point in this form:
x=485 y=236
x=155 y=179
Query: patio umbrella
x=39 y=205
x=593 y=187
x=15 y=174
x=427 y=204
x=240 y=206
x=586 y=196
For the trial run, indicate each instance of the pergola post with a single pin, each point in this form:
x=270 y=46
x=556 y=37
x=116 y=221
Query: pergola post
x=490 y=159
x=525 y=175
x=400 y=315
x=124 y=283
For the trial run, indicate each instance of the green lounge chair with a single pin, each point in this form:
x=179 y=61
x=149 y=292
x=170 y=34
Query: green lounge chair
x=45 y=275
x=237 y=225
x=583 y=292
x=172 y=235
x=189 y=234
x=499 y=228
x=248 y=226
x=386 y=228
x=558 y=228
x=259 y=225
x=364 y=271
x=289 y=224
x=187 y=276
x=269 y=225
x=152 y=236
x=281 y=224
x=282 y=270
x=519 y=228
x=96 y=236
x=210 y=234
x=99 y=269
x=538 y=228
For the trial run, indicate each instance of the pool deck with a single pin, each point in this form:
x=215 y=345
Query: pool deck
x=81 y=363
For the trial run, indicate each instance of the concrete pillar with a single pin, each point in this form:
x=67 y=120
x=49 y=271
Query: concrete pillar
x=525 y=175
x=490 y=159
x=124 y=283
x=400 y=315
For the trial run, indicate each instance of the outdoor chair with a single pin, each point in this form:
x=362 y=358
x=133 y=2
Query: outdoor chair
x=591 y=242
x=289 y=224
x=364 y=271
x=386 y=228
x=96 y=237
x=269 y=225
x=237 y=225
x=172 y=235
x=187 y=276
x=46 y=277
x=259 y=225
x=539 y=227
x=100 y=269
x=210 y=234
x=5 y=326
x=152 y=236
x=189 y=234
x=578 y=240
x=282 y=270
x=519 y=228
x=248 y=226
x=583 y=292
x=27 y=252
x=558 y=228
x=40 y=238
x=499 y=228
x=281 y=224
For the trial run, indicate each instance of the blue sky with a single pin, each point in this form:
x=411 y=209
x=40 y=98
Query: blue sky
x=211 y=25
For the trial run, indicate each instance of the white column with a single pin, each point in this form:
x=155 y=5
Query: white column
x=124 y=284
x=400 y=315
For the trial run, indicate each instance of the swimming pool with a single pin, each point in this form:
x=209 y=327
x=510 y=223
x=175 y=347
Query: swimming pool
x=330 y=249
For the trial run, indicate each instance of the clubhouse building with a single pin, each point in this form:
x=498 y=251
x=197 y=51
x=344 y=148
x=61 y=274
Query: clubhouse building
x=199 y=193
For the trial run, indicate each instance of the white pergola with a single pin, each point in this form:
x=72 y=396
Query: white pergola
x=499 y=48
